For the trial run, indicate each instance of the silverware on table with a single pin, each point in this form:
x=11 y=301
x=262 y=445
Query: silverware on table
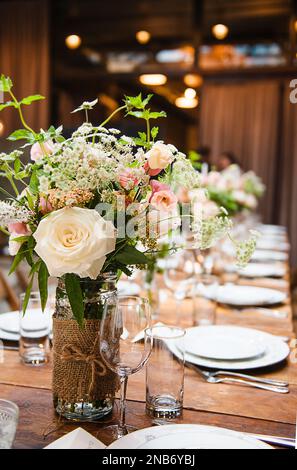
x=267 y=312
x=272 y=385
x=276 y=440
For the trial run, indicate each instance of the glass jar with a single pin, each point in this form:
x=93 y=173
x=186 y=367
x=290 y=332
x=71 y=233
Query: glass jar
x=83 y=388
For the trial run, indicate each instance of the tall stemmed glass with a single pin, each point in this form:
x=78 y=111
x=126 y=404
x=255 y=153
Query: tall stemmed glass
x=123 y=319
x=179 y=277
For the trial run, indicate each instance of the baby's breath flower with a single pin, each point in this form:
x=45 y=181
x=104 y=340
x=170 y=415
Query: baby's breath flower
x=11 y=212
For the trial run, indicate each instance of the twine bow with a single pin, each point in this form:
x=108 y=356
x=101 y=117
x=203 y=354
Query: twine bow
x=72 y=352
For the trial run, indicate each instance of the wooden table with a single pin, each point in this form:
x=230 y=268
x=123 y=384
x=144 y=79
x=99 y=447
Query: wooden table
x=230 y=406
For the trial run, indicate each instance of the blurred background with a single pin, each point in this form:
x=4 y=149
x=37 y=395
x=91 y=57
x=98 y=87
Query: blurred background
x=221 y=69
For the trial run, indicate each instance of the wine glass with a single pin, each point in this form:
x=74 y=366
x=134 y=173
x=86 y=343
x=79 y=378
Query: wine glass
x=123 y=319
x=179 y=277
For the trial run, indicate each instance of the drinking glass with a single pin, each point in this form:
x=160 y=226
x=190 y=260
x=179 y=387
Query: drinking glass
x=35 y=326
x=123 y=319
x=179 y=277
x=165 y=372
x=205 y=303
x=9 y=415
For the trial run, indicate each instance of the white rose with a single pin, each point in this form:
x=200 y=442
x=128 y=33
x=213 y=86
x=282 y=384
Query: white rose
x=74 y=240
x=159 y=156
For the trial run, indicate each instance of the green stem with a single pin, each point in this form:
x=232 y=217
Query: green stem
x=21 y=114
x=108 y=119
x=87 y=117
x=112 y=115
x=10 y=179
x=148 y=131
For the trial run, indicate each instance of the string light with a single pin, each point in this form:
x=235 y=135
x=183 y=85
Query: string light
x=187 y=103
x=73 y=41
x=190 y=93
x=153 y=79
x=143 y=37
x=193 y=80
x=220 y=31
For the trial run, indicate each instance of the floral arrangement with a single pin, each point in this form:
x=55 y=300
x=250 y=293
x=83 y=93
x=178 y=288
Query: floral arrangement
x=233 y=190
x=87 y=201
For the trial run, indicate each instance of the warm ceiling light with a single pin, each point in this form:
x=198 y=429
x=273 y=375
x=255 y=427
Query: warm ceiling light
x=153 y=79
x=73 y=41
x=143 y=37
x=1 y=127
x=220 y=31
x=190 y=93
x=193 y=80
x=295 y=26
x=188 y=103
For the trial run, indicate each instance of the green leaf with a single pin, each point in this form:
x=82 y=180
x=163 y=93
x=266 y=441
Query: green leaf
x=137 y=114
x=154 y=132
x=147 y=99
x=17 y=165
x=5 y=83
x=18 y=258
x=21 y=134
x=156 y=115
x=29 y=99
x=34 y=183
x=129 y=255
x=27 y=294
x=8 y=104
x=43 y=276
x=75 y=297
x=142 y=135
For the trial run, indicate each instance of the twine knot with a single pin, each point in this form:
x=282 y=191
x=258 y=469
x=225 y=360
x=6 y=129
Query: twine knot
x=72 y=352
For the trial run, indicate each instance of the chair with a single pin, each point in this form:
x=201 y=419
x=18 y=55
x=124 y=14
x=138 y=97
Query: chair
x=7 y=293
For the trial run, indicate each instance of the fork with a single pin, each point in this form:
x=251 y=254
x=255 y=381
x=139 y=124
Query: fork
x=264 y=384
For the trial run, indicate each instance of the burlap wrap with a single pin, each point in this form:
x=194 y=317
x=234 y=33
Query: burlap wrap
x=79 y=372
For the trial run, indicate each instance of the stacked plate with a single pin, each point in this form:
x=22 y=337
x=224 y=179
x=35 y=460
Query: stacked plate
x=10 y=327
x=247 y=296
x=253 y=270
x=231 y=347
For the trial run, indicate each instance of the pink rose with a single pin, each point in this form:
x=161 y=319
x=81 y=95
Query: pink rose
x=128 y=179
x=151 y=172
x=164 y=200
x=37 y=151
x=45 y=206
x=157 y=186
x=19 y=228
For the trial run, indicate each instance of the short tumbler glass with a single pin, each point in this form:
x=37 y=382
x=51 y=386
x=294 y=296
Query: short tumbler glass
x=9 y=415
x=165 y=372
x=205 y=300
x=35 y=327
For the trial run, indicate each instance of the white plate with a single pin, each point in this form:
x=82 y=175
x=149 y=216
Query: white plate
x=272 y=244
x=248 y=295
x=269 y=255
x=223 y=343
x=262 y=270
x=276 y=350
x=187 y=436
x=9 y=326
x=272 y=228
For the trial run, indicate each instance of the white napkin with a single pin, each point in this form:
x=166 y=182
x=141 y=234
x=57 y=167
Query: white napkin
x=77 y=439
